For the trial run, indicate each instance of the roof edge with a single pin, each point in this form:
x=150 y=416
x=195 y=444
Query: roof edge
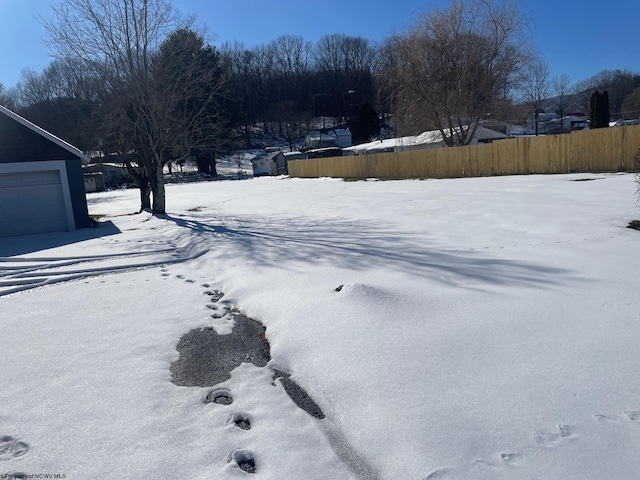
x=42 y=132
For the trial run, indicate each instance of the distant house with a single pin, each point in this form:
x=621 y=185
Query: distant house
x=575 y=121
x=41 y=184
x=100 y=175
x=550 y=123
x=325 y=152
x=269 y=163
x=429 y=139
x=509 y=129
x=328 y=137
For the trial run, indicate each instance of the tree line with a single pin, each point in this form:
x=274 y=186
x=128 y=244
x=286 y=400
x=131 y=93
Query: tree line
x=133 y=79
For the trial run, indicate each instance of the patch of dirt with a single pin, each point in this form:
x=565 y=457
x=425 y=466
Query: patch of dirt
x=207 y=359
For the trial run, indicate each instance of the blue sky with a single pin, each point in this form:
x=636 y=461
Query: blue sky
x=579 y=38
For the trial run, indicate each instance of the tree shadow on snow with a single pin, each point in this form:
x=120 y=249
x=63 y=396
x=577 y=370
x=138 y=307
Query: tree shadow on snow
x=358 y=245
x=12 y=246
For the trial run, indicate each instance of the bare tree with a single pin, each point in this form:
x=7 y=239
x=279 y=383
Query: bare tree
x=345 y=68
x=631 y=105
x=62 y=98
x=619 y=84
x=66 y=78
x=117 y=39
x=289 y=102
x=291 y=57
x=5 y=99
x=388 y=83
x=246 y=84
x=456 y=66
x=561 y=86
x=536 y=87
x=162 y=80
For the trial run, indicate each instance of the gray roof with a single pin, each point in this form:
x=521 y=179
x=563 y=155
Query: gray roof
x=267 y=156
x=42 y=132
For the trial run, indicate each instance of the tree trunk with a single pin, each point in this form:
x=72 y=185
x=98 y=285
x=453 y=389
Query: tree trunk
x=214 y=169
x=145 y=197
x=141 y=178
x=158 y=192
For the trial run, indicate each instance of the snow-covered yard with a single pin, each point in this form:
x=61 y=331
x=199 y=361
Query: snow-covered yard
x=485 y=329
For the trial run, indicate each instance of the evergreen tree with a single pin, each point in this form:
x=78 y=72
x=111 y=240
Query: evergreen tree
x=364 y=124
x=599 y=110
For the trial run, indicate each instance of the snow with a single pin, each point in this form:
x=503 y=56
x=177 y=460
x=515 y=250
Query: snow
x=389 y=144
x=431 y=138
x=485 y=329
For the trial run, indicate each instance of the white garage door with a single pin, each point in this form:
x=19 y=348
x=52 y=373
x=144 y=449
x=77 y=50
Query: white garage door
x=32 y=202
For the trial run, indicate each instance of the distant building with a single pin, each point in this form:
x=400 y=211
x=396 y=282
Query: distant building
x=325 y=152
x=41 y=186
x=100 y=175
x=328 y=137
x=269 y=163
x=429 y=139
x=575 y=121
x=549 y=123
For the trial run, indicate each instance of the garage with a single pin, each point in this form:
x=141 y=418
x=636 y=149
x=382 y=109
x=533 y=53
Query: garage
x=41 y=184
x=33 y=202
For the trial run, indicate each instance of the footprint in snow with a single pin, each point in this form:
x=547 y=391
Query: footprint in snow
x=511 y=459
x=566 y=430
x=11 y=447
x=547 y=439
x=240 y=420
x=216 y=295
x=633 y=415
x=605 y=418
x=221 y=396
x=244 y=460
x=439 y=474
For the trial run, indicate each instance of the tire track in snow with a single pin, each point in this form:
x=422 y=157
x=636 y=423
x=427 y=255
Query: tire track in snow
x=18 y=274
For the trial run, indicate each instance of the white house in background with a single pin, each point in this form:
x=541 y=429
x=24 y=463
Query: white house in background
x=514 y=130
x=328 y=137
x=549 y=123
x=575 y=121
x=269 y=163
x=430 y=139
x=100 y=175
x=509 y=129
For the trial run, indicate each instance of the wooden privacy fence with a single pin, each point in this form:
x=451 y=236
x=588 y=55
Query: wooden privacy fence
x=600 y=150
